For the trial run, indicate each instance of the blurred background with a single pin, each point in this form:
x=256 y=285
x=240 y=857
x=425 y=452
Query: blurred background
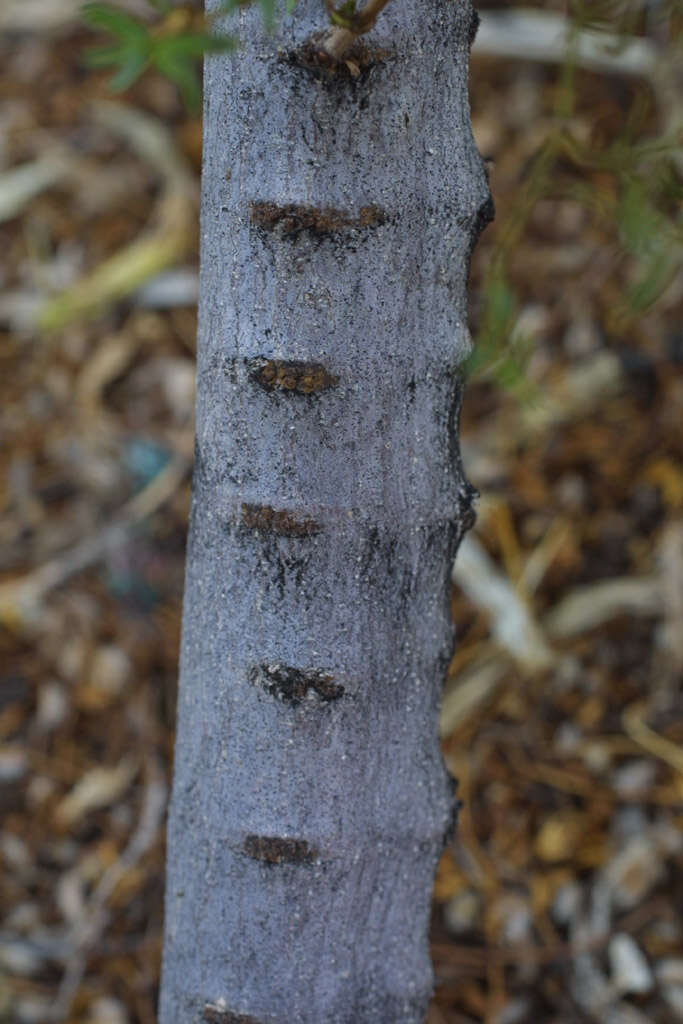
x=561 y=899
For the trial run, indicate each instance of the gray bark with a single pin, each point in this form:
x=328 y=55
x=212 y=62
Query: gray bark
x=310 y=798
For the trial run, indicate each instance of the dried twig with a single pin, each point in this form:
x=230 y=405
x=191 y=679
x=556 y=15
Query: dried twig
x=159 y=247
x=94 y=919
x=472 y=690
x=20 y=599
x=548 y=36
x=633 y=720
x=20 y=184
x=590 y=606
x=512 y=624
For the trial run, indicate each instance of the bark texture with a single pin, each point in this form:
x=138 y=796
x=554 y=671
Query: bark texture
x=310 y=801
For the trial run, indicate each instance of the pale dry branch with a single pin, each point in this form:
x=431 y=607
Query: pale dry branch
x=159 y=247
x=89 y=927
x=633 y=721
x=512 y=624
x=20 y=599
x=549 y=36
x=21 y=184
x=588 y=607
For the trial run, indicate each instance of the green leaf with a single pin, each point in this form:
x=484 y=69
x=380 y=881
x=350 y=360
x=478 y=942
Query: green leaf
x=104 y=56
x=190 y=46
x=268 y=13
x=181 y=70
x=230 y=6
x=640 y=223
x=659 y=273
x=129 y=54
x=497 y=352
x=116 y=22
x=268 y=9
x=131 y=61
x=221 y=44
x=129 y=71
x=176 y=57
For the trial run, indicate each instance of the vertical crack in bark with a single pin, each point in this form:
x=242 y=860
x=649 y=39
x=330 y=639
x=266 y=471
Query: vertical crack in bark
x=293 y=685
x=278 y=850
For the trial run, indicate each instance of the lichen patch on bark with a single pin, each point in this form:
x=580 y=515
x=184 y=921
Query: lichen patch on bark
x=292 y=376
x=293 y=685
x=295 y=219
x=278 y=850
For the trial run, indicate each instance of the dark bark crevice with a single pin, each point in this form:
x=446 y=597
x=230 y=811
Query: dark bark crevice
x=280 y=521
x=356 y=66
x=484 y=216
x=295 y=219
x=293 y=685
x=475 y=21
x=291 y=376
x=279 y=850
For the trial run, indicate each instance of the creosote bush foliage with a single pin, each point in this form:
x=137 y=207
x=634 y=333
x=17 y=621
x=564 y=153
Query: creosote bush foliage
x=173 y=41
x=630 y=184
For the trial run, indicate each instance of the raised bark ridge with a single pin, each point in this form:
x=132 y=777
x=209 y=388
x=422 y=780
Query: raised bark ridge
x=310 y=798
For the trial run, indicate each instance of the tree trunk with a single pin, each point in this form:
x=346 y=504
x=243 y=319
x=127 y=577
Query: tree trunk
x=310 y=803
